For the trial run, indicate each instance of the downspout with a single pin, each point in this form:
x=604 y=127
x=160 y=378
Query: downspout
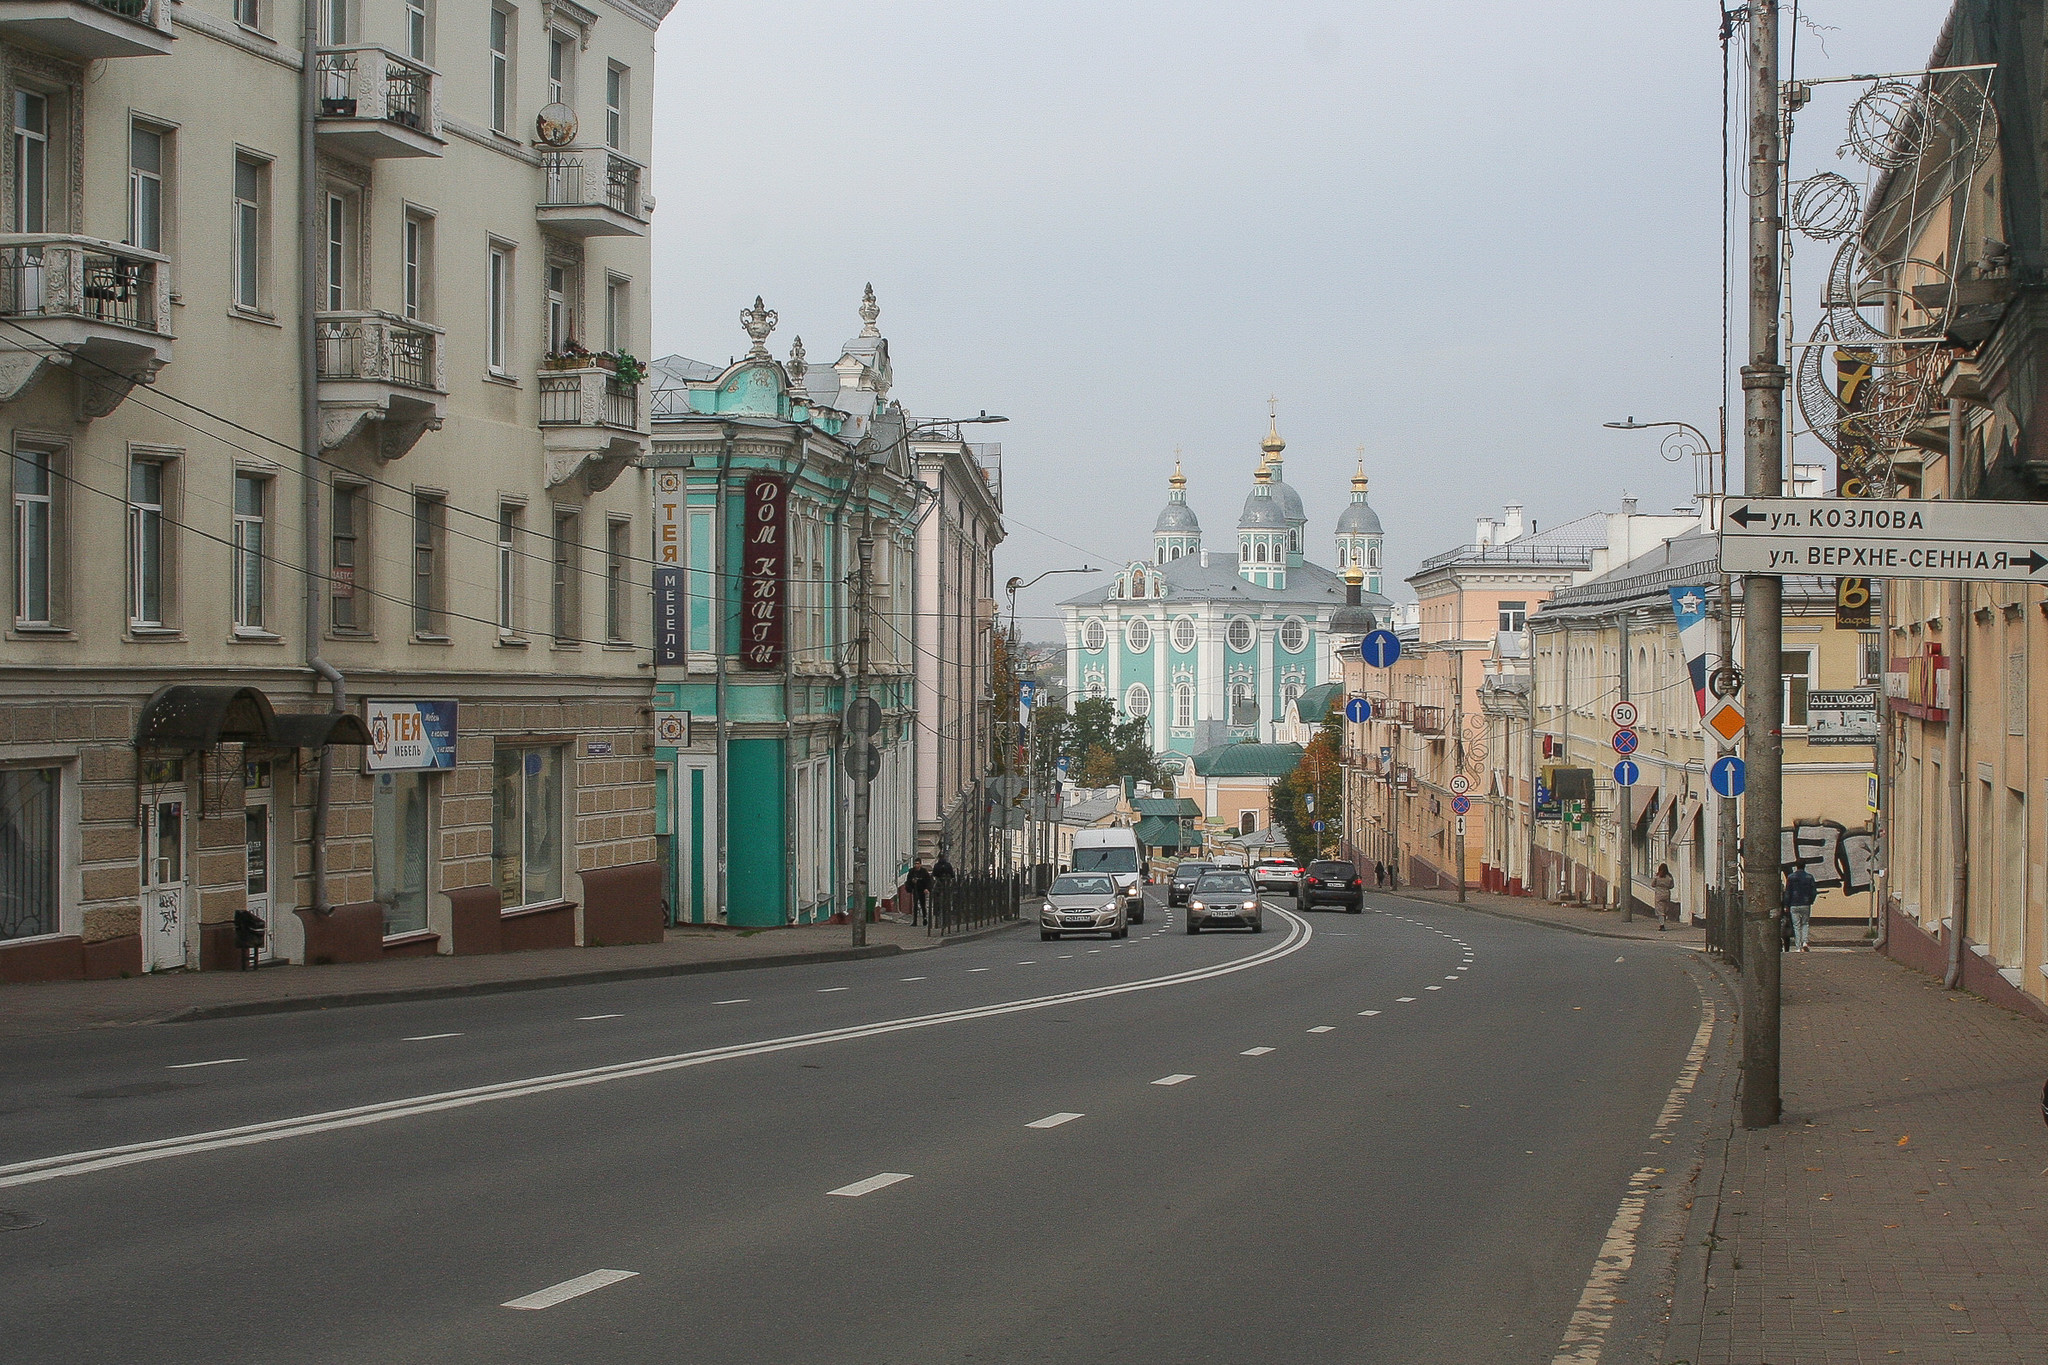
x=790 y=815
x=311 y=254
x=718 y=580
x=1955 y=610
x=842 y=672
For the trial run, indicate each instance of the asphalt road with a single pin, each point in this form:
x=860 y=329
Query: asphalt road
x=1398 y=1136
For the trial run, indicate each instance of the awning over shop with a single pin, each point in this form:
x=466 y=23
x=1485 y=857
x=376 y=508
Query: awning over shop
x=318 y=730
x=192 y=716
x=1649 y=808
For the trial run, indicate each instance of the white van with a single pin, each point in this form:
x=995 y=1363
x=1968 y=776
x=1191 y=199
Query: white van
x=1116 y=852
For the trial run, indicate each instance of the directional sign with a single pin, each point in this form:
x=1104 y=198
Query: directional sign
x=1380 y=648
x=1627 y=773
x=863 y=716
x=1887 y=538
x=1726 y=721
x=1461 y=804
x=1623 y=714
x=1358 y=710
x=1461 y=827
x=1317 y=826
x=1870 y=792
x=1625 y=741
x=1729 y=775
x=1460 y=784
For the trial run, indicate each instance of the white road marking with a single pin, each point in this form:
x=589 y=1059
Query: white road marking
x=1324 y=1028
x=1621 y=959
x=1432 y=988
x=870 y=1185
x=913 y=978
x=1053 y=1120
x=1028 y=962
x=1255 y=1052
x=1450 y=978
x=741 y=1001
x=1586 y=1337
x=304 y=1125
x=1175 y=1079
x=586 y=1018
x=827 y=990
x=569 y=1289
x=1404 y=999
x=972 y=970
x=1066 y=957
x=1367 y=1014
x=428 y=1037
x=218 y=1061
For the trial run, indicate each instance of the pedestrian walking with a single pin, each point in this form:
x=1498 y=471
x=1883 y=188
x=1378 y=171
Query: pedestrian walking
x=1660 y=887
x=1800 y=890
x=1379 y=875
x=919 y=880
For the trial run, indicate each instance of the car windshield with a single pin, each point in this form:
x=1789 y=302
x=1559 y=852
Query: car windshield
x=1332 y=871
x=1224 y=885
x=1081 y=886
x=1123 y=859
x=1187 y=872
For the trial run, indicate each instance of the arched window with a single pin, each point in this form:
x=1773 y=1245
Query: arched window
x=1260 y=552
x=1159 y=557
x=1094 y=635
x=1184 y=633
x=1372 y=554
x=1183 y=705
x=1293 y=635
x=1095 y=689
x=1239 y=634
x=1244 y=710
x=1138 y=701
x=1289 y=695
x=1138 y=634
x=1294 y=540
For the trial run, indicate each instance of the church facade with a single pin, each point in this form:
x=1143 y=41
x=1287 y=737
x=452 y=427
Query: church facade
x=1212 y=647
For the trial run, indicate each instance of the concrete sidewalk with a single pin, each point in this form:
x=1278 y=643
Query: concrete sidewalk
x=61 y=1006
x=1899 y=1213
x=1604 y=923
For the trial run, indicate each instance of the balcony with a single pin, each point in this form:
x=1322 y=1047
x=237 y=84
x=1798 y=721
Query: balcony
x=376 y=104
x=101 y=308
x=85 y=30
x=592 y=423
x=592 y=192
x=383 y=381
x=1429 y=720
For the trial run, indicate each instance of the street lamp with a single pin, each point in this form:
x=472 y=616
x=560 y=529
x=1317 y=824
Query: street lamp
x=1013 y=587
x=1677 y=445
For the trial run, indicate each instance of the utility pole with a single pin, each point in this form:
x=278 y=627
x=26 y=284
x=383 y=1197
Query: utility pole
x=860 y=750
x=1458 y=746
x=1624 y=807
x=1763 y=439
x=1728 y=917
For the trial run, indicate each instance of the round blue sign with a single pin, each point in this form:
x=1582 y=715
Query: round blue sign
x=1358 y=710
x=1624 y=741
x=1729 y=775
x=1626 y=773
x=1461 y=804
x=1380 y=648
x=1318 y=827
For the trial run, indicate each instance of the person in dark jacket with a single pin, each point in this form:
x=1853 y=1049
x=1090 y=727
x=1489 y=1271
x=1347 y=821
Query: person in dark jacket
x=942 y=870
x=919 y=880
x=1800 y=890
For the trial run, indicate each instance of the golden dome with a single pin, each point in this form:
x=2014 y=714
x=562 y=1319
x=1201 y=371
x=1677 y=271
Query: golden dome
x=1179 y=480
x=1273 y=445
x=1354 y=576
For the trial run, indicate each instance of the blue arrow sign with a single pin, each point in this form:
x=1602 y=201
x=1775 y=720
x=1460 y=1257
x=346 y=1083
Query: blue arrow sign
x=1461 y=804
x=1358 y=710
x=1729 y=775
x=1318 y=827
x=1380 y=648
x=1627 y=773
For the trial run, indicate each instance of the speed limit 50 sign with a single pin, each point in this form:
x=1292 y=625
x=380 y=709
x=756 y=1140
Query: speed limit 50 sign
x=1624 y=714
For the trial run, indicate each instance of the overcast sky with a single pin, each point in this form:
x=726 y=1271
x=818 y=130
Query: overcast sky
x=1462 y=236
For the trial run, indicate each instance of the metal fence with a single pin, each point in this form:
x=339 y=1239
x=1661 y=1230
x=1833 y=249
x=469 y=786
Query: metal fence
x=958 y=905
x=364 y=347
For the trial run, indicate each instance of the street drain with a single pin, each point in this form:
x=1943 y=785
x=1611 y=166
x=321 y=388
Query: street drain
x=14 y=1220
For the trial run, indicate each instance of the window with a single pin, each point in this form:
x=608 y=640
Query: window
x=1372 y=554
x=29 y=859
x=1093 y=635
x=1247 y=822
x=501 y=70
x=499 y=305
x=618 y=316
x=1184 y=633
x=34 y=536
x=1244 y=710
x=398 y=823
x=1259 y=552
x=1138 y=701
x=250 y=494
x=146 y=543
x=418 y=264
x=509 y=515
x=429 y=521
x=1514 y=616
x=248 y=233
x=526 y=825
x=248 y=13
x=1289 y=695
x=1138 y=634
x=561 y=309
x=1293 y=635
x=31 y=139
x=1239 y=634
x=337 y=253
x=1183 y=705
x=615 y=108
x=1796 y=665
x=1870 y=664
x=561 y=68
x=1095 y=689
x=146 y=188
x=618 y=538
x=334 y=22
x=418 y=30
x=565 y=597
x=344 y=558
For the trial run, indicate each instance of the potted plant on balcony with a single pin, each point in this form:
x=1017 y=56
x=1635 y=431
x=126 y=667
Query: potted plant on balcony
x=571 y=356
x=629 y=371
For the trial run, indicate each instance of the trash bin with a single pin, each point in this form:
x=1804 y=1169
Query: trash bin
x=249 y=932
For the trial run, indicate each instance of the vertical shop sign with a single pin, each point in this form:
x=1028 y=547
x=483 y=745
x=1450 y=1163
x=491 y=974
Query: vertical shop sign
x=668 y=568
x=762 y=545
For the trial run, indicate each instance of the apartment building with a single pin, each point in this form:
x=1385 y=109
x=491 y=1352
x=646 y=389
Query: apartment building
x=328 y=559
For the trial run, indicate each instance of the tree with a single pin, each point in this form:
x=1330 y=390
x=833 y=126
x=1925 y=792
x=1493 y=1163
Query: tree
x=1092 y=728
x=1317 y=773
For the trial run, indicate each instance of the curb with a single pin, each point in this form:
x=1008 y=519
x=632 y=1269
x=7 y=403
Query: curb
x=1687 y=1328
x=1531 y=919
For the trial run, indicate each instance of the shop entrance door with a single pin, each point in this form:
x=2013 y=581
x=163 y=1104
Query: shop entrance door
x=163 y=882
x=259 y=839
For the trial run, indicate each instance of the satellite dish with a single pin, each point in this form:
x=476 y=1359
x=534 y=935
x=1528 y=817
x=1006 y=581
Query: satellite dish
x=555 y=126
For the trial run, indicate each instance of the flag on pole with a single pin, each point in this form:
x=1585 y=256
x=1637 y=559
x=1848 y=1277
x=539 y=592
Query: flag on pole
x=1690 y=607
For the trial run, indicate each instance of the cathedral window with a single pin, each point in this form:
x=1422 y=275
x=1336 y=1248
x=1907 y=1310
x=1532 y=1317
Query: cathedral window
x=1244 y=710
x=1138 y=634
x=1293 y=635
x=1239 y=634
x=1184 y=633
x=1138 y=701
x=1183 y=704
x=1093 y=635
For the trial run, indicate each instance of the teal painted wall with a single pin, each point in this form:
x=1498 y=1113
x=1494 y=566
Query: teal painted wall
x=757 y=833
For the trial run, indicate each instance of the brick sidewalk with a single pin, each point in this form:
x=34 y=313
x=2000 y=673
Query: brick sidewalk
x=60 y=1006
x=1900 y=1211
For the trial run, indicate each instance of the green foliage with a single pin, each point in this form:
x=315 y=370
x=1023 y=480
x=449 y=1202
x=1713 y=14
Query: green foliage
x=1319 y=774
x=1102 y=747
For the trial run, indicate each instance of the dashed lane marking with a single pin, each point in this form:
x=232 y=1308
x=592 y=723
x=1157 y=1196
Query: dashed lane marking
x=1404 y=999
x=1367 y=1014
x=1324 y=1028
x=913 y=978
x=827 y=990
x=569 y=1289
x=428 y=1037
x=870 y=1185
x=1175 y=1079
x=1255 y=1052
x=972 y=970
x=1053 y=1120
x=1432 y=988
x=587 y=1018
x=218 y=1061
x=741 y=1001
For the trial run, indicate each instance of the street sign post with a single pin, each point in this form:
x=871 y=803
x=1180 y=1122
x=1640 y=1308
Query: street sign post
x=1461 y=804
x=1460 y=784
x=1380 y=649
x=1358 y=710
x=1461 y=827
x=1887 y=538
x=1726 y=722
x=1625 y=741
x=1317 y=826
x=1627 y=773
x=1729 y=775
x=1623 y=714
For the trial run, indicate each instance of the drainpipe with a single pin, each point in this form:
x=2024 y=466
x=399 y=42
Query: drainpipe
x=719 y=579
x=1955 y=611
x=312 y=242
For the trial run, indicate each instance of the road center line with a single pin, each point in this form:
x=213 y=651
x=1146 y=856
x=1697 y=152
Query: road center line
x=827 y=990
x=1368 y=1014
x=1404 y=999
x=1324 y=1028
x=428 y=1037
x=1175 y=1079
x=1053 y=1120
x=741 y=1001
x=569 y=1289
x=218 y=1061
x=913 y=978
x=870 y=1185
x=586 y=1018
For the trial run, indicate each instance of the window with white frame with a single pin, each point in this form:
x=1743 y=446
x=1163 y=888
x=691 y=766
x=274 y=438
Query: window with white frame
x=334 y=22
x=1094 y=635
x=400 y=817
x=561 y=290
x=419 y=30
x=29 y=142
x=561 y=68
x=30 y=865
x=1138 y=634
x=252 y=491
x=148 y=150
x=527 y=799
x=1184 y=633
x=35 y=536
x=618 y=303
x=565 y=599
x=1238 y=634
x=1293 y=635
x=1183 y=705
x=250 y=210
x=1244 y=706
x=618 y=540
x=1797 y=666
x=1513 y=615
x=345 y=558
x=417 y=263
x=1138 y=701
x=498 y=308
x=148 y=557
x=336 y=252
x=249 y=14
x=509 y=516
x=1095 y=689
x=501 y=69
x=615 y=107
x=429 y=588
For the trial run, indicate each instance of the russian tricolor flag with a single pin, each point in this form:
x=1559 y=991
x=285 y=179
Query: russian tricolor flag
x=1689 y=605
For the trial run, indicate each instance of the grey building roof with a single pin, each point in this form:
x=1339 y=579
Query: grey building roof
x=1189 y=580
x=1263 y=514
x=681 y=369
x=1358 y=519
x=1690 y=559
x=1289 y=500
x=1179 y=517
x=1350 y=620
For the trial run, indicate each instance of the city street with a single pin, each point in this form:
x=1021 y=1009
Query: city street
x=1396 y=1136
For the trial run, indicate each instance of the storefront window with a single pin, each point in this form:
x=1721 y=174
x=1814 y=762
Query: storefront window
x=526 y=825
x=28 y=852
x=399 y=880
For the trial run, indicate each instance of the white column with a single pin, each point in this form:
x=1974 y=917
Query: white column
x=1162 y=697
x=1268 y=693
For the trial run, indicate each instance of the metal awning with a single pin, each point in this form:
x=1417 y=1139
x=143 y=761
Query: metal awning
x=318 y=729
x=193 y=717
x=1649 y=808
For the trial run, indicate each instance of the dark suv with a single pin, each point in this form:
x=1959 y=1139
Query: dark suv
x=1332 y=883
x=1184 y=878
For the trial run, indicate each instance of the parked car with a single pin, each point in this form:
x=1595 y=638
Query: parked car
x=1083 y=903
x=1114 y=852
x=1278 y=874
x=1329 y=882
x=1184 y=878
x=1225 y=898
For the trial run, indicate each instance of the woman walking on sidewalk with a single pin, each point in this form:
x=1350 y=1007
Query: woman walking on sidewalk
x=1660 y=887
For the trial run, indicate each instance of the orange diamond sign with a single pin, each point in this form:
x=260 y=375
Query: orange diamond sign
x=1726 y=722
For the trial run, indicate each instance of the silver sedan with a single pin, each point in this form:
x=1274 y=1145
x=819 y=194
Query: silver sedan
x=1083 y=903
x=1229 y=898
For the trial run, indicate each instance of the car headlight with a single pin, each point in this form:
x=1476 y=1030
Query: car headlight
x=1251 y=905
x=1195 y=905
x=1109 y=909
x=1051 y=909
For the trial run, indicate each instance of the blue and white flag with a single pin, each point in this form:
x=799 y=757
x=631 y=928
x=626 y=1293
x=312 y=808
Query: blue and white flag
x=1689 y=605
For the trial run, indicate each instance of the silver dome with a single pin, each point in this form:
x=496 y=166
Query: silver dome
x=1358 y=519
x=1353 y=620
x=1263 y=514
x=1289 y=500
x=1178 y=517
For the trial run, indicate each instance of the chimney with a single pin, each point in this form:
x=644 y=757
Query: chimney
x=1483 y=535
x=1205 y=556
x=1628 y=507
x=1511 y=525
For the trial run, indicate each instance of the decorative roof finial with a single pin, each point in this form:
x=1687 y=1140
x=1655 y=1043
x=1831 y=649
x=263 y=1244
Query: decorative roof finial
x=1358 y=480
x=1264 y=481
x=1179 y=480
x=1273 y=445
x=1354 y=575
x=797 y=365
x=869 y=311
x=759 y=322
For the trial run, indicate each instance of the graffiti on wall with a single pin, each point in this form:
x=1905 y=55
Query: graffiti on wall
x=1839 y=858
